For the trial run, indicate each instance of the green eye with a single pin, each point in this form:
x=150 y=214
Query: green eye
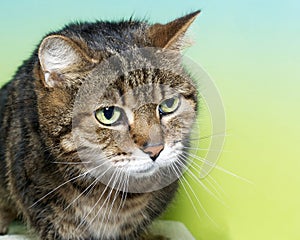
x=169 y=105
x=108 y=115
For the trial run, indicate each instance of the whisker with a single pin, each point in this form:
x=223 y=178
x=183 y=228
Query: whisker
x=126 y=191
x=214 y=189
x=202 y=149
x=66 y=182
x=106 y=202
x=216 y=183
x=73 y=163
x=187 y=193
x=192 y=175
x=214 y=165
x=99 y=199
x=89 y=187
x=207 y=137
x=197 y=199
x=112 y=203
x=122 y=196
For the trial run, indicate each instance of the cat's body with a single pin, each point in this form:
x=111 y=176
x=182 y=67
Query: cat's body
x=41 y=177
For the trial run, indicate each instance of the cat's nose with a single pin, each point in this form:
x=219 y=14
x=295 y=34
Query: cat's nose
x=153 y=150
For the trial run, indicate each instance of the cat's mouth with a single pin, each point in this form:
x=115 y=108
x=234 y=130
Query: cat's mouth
x=141 y=165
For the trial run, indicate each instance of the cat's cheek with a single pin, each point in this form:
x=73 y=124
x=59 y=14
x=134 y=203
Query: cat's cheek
x=168 y=156
x=67 y=143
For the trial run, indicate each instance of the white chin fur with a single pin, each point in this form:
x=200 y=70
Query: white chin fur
x=141 y=165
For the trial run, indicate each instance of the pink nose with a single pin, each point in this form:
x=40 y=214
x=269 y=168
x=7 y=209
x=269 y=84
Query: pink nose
x=153 y=150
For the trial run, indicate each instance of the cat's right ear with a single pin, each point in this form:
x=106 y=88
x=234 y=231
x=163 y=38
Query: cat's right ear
x=59 y=55
x=170 y=35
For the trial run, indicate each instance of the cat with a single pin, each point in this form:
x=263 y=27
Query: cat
x=93 y=125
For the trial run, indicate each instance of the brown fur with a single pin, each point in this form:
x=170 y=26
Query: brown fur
x=43 y=176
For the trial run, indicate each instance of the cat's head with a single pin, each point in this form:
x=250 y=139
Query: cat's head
x=118 y=101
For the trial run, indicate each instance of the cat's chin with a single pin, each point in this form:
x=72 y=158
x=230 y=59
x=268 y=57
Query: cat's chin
x=144 y=170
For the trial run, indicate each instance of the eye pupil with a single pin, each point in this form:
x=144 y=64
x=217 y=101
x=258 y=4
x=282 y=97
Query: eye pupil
x=108 y=112
x=169 y=102
x=109 y=115
x=168 y=106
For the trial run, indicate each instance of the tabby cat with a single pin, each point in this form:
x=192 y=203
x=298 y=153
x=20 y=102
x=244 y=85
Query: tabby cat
x=93 y=126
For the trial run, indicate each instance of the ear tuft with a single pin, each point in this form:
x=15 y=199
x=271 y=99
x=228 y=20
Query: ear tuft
x=58 y=54
x=168 y=35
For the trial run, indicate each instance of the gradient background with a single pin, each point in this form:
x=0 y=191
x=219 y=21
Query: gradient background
x=251 y=50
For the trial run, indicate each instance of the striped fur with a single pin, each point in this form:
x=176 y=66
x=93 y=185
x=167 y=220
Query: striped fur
x=43 y=177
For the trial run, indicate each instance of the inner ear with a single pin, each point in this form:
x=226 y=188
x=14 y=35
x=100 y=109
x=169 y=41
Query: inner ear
x=59 y=54
x=169 y=35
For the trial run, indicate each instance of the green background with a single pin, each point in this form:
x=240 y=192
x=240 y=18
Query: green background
x=251 y=50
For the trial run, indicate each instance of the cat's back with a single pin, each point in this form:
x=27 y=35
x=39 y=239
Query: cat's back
x=3 y=124
x=17 y=110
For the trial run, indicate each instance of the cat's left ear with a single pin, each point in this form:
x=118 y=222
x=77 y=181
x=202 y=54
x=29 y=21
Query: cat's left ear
x=169 y=36
x=59 y=55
